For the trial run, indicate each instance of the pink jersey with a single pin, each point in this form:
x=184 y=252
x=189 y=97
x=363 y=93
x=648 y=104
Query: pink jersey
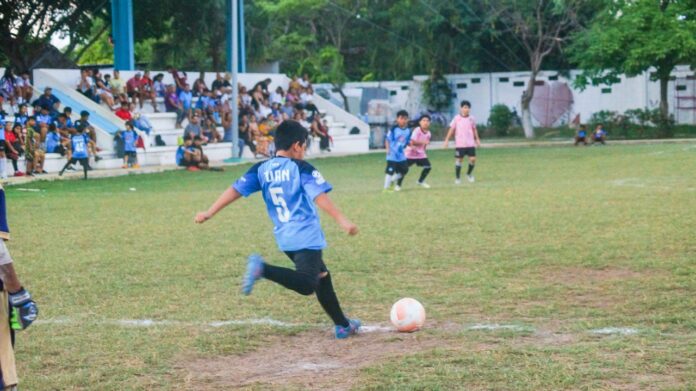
x=418 y=151
x=464 y=128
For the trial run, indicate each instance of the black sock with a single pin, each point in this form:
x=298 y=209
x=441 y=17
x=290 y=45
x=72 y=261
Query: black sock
x=471 y=168
x=424 y=174
x=14 y=165
x=301 y=283
x=84 y=168
x=65 y=167
x=329 y=301
x=458 y=171
x=400 y=180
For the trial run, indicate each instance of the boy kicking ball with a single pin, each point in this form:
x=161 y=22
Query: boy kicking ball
x=415 y=152
x=290 y=188
x=466 y=139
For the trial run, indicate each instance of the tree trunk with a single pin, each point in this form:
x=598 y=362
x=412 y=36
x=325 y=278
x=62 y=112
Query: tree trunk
x=527 y=96
x=664 y=103
x=345 y=98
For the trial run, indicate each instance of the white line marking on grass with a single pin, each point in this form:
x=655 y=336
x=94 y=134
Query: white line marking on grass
x=615 y=330
x=496 y=326
x=631 y=182
x=375 y=329
x=25 y=189
x=159 y=323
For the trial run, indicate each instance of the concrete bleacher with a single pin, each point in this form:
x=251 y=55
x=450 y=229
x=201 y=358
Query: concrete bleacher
x=61 y=80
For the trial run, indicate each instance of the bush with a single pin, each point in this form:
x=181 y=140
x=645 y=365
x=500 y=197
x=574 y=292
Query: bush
x=500 y=120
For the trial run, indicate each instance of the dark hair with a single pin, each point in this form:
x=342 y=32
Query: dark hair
x=424 y=116
x=84 y=113
x=61 y=115
x=44 y=107
x=52 y=127
x=67 y=108
x=465 y=103
x=402 y=113
x=130 y=123
x=583 y=127
x=187 y=136
x=197 y=138
x=31 y=118
x=289 y=133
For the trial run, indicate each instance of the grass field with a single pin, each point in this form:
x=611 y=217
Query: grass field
x=523 y=275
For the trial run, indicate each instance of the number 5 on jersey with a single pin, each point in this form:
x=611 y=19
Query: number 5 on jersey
x=281 y=205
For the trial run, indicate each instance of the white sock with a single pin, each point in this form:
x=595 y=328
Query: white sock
x=3 y=168
x=387 y=181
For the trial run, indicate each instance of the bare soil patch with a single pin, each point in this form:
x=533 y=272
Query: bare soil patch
x=310 y=361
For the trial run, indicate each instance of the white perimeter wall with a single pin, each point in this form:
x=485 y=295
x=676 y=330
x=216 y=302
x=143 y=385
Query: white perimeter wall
x=486 y=89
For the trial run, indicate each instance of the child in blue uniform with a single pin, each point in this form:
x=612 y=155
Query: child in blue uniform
x=79 y=150
x=397 y=140
x=129 y=137
x=291 y=187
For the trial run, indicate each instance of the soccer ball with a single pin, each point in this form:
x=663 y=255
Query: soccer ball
x=407 y=315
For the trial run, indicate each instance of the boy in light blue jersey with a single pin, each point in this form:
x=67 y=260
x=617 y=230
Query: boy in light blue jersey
x=291 y=187
x=79 y=151
x=397 y=140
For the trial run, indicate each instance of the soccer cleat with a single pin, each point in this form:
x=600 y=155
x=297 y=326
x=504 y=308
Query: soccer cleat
x=397 y=188
x=345 y=332
x=470 y=178
x=424 y=185
x=136 y=165
x=254 y=272
x=457 y=181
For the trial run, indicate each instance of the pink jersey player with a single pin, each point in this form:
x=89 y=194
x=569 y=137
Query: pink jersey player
x=466 y=139
x=415 y=153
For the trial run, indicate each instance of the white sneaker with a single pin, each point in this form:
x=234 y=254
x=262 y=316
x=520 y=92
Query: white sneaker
x=457 y=181
x=397 y=188
x=424 y=185
x=470 y=178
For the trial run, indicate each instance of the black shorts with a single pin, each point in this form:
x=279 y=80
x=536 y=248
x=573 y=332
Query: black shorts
x=419 y=162
x=468 y=151
x=308 y=261
x=84 y=162
x=132 y=94
x=2 y=145
x=396 y=167
x=130 y=153
x=59 y=149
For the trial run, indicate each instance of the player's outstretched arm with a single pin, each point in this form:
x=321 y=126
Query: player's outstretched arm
x=229 y=196
x=324 y=202
x=447 y=137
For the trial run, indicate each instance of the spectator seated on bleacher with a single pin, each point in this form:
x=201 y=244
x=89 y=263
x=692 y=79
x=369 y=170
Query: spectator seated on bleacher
x=102 y=90
x=8 y=88
x=124 y=112
x=581 y=135
x=55 y=143
x=158 y=85
x=14 y=146
x=46 y=99
x=209 y=133
x=23 y=115
x=25 y=87
x=85 y=85
x=194 y=126
x=173 y=105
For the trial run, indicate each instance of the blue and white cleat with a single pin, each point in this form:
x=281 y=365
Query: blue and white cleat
x=254 y=272
x=345 y=332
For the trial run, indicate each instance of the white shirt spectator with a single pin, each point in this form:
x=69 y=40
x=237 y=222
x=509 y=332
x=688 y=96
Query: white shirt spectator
x=276 y=98
x=306 y=98
x=264 y=111
x=304 y=83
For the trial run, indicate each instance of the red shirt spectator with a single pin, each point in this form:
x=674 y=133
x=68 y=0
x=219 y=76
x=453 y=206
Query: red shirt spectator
x=124 y=113
x=134 y=84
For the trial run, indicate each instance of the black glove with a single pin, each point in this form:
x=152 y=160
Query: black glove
x=24 y=309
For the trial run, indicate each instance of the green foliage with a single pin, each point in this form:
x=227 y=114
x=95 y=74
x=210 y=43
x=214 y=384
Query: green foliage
x=437 y=93
x=632 y=36
x=500 y=119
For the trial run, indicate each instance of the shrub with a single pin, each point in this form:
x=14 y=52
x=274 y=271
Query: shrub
x=500 y=120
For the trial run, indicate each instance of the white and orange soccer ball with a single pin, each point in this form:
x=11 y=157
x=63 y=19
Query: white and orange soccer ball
x=407 y=315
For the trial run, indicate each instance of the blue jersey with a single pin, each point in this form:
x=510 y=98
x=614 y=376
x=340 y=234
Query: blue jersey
x=129 y=138
x=179 y=155
x=79 y=144
x=398 y=141
x=582 y=133
x=52 y=141
x=21 y=119
x=289 y=188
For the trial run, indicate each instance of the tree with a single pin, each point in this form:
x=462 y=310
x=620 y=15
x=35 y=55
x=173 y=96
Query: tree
x=631 y=37
x=26 y=26
x=541 y=27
